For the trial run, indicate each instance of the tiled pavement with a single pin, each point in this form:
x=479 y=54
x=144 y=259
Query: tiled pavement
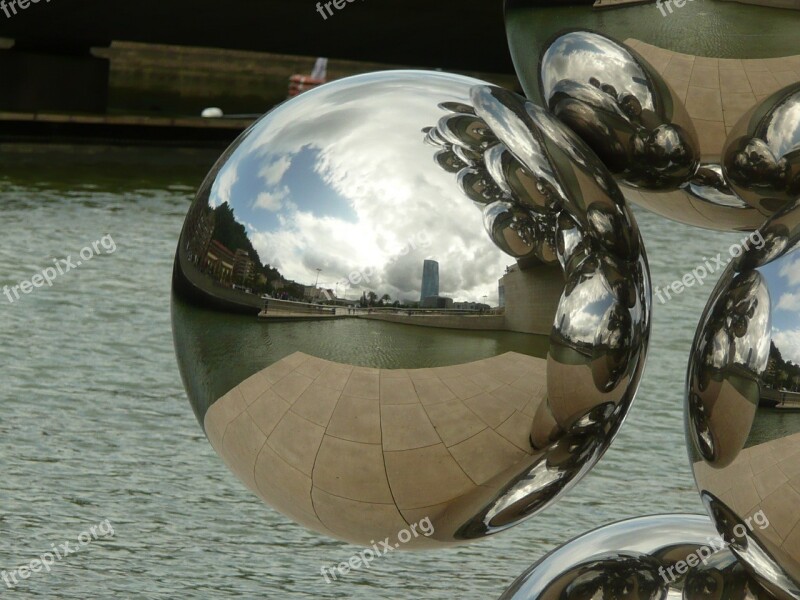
x=763 y=477
x=360 y=453
x=717 y=91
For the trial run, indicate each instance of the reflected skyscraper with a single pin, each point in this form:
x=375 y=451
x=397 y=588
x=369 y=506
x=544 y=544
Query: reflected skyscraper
x=430 y=279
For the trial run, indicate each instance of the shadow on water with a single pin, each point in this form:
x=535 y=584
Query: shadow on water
x=104 y=168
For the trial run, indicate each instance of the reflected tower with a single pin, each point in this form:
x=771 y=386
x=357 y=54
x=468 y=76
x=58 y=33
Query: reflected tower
x=430 y=280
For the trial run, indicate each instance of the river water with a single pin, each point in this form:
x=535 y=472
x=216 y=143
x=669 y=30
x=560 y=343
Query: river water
x=95 y=425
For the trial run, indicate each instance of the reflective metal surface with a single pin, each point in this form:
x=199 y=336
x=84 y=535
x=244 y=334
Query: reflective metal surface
x=676 y=557
x=743 y=397
x=657 y=111
x=329 y=206
x=761 y=157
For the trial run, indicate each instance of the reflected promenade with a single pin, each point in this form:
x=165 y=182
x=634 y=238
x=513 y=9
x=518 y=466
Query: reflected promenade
x=717 y=92
x=361 y=453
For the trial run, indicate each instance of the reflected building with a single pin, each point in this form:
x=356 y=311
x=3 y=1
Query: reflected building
x=430 y=280
x=219 y=262
x=437 y=302
x=243 y=267
x=318 y=294
x=200 y=222
x=471 y=306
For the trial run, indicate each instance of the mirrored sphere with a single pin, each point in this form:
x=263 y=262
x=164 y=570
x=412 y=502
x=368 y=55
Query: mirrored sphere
x=410 y=297
x=761 y=157
x=743 y=403
x=657 y=89
x=657 y=557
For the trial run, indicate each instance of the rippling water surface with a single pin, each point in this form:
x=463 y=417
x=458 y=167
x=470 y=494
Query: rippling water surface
x=94 y=423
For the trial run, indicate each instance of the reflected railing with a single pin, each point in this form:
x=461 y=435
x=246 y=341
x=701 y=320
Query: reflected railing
x=273 y=305
x=428 y=311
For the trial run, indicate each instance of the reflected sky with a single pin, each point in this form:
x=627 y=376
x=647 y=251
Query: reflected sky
x=783 y=125
x=583 y=55
x=340 y=179
x=783 y=275
x=583 y=309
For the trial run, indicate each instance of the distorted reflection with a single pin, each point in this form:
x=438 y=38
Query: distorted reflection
x=399 y=205
x=743 y=403
x=656 y=102
x=649 y=558
x=762 y=154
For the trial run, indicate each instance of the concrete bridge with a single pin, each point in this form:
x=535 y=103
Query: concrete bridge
x=50 y=64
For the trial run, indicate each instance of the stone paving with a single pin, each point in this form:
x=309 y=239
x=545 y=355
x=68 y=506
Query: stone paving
x=763 y=477
x=365 y=452
x=718 y=91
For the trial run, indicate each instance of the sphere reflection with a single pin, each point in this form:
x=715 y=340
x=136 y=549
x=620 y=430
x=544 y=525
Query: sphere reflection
x=658 y=98
x=374 y=212
x=648 y=558
x=762 y=155
x=741 y=403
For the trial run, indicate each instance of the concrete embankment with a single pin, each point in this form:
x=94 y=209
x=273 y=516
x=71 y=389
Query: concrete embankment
x=471 y=322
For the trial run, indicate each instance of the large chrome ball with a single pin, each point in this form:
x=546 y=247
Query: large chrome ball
x=761 y=158
x=315 y=322
x=656 y=89
x=742 y=402
x=647 y=558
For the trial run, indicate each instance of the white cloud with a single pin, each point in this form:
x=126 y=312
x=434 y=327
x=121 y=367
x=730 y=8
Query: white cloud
x=370 y=153
x=272 y=201
x=223 y=185
x=273 y=172
x=788 y=342
x=791 y=271
x=789 y=301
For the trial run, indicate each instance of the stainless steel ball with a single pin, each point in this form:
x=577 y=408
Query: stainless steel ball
x=328 y=319
x=656 y=89
x=742 y=401
x=761 y=158
x=647 y=558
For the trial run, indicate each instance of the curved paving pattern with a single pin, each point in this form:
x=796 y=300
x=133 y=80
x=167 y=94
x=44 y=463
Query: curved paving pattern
x=354 y=450
x=718 y=91
x=764 y=477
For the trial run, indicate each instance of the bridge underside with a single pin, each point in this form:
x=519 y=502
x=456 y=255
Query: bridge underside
x=50 y=66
